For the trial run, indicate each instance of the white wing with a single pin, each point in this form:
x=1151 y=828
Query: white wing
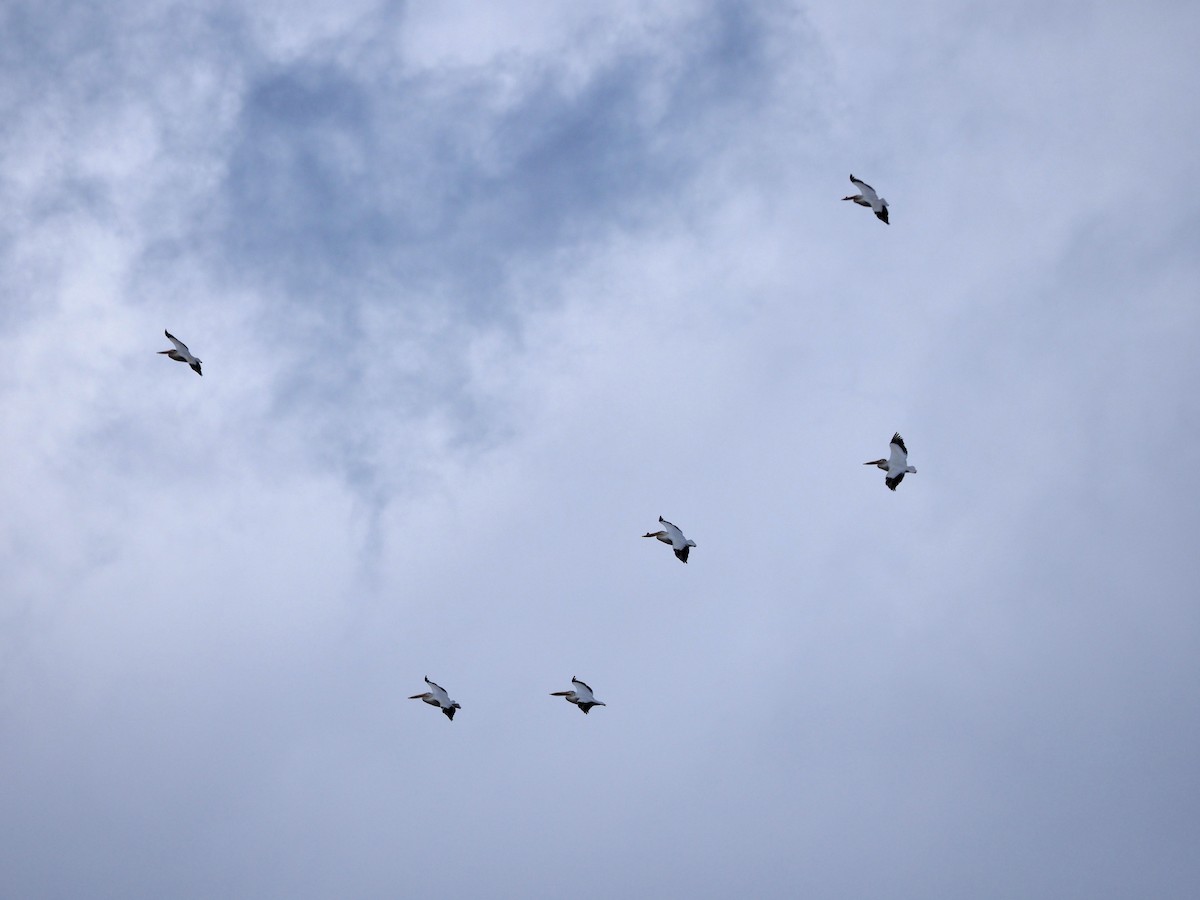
x=439 y=693
x=678 y=541
x=868 y=192
x=583 y=693
x=899 y=459
x=179 y=345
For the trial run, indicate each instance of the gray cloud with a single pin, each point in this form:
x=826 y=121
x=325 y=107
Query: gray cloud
x=469 y=327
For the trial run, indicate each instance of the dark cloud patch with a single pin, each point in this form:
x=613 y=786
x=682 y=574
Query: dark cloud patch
x=349 y=200
x=432 y=179
x=296 y=197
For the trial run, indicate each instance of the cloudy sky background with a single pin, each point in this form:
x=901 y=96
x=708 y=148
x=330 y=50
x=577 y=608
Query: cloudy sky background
x=481 y=290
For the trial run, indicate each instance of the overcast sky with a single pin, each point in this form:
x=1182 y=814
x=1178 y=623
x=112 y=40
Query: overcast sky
x=481 y=290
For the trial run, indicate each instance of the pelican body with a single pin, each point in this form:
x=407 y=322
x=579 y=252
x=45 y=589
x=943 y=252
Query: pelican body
x=437 y=696
x=673 y=536
x=180 y=353
x=866 y=196
x=895 y=465
x=582 y=696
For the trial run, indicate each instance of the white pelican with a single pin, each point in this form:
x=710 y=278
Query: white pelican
x=582 y=696
x=673 y=536
x=897 y=465
x=181 y=353
x=866 y=196
x=439 y=698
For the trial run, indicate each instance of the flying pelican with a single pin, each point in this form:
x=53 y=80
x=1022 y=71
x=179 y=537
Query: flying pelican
x=181 y=353
x=897 y=465
x=673 y=536
x=439 y=698
x=866 y=196
x=581 y=696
